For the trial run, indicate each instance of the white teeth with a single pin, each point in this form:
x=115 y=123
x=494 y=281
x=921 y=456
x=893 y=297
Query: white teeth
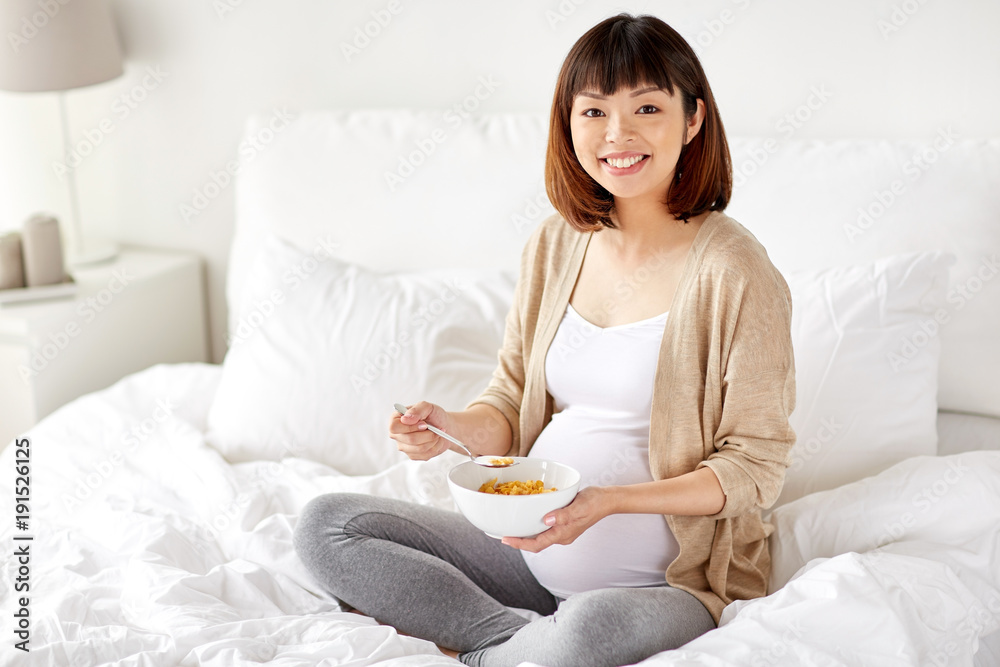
x=622 y=163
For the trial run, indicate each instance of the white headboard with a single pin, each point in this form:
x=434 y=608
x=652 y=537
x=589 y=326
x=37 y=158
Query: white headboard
x=402 y=190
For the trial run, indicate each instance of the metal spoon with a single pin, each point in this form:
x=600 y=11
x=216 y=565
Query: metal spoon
x=485 y=461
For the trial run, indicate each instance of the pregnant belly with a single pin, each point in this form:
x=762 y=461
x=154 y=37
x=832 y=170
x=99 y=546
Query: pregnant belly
x=621 y=550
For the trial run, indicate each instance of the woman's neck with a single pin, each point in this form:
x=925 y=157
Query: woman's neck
x=646 y=226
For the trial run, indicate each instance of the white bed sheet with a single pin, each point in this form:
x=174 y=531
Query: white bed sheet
x=169 y=555
x=150 y=570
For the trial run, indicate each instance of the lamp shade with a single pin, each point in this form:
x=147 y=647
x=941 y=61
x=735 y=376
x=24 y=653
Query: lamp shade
x=57 y=45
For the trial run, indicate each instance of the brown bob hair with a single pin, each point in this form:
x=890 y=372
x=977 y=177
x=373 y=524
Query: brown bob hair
x=627 y=51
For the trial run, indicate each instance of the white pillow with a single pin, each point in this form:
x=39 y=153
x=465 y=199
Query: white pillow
x=324 y=348
x=951 y=501
x=866 y=367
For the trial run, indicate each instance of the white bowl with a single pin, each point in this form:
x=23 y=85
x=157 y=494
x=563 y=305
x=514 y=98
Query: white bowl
x=512 y=516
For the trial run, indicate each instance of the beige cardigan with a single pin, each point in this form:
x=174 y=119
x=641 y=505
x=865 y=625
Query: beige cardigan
x=724 y=389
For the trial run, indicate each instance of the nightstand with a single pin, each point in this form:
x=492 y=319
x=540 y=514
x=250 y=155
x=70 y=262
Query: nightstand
x=145 y=307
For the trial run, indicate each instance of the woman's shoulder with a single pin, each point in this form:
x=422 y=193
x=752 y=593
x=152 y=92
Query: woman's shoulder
x=555 y=230
x=732 y=250
x=551 y=241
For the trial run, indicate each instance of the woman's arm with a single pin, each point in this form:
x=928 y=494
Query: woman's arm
x=695 y=493
x=754 y=437
x=483 y=428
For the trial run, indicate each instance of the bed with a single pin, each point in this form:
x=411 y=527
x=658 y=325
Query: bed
x=162 y=507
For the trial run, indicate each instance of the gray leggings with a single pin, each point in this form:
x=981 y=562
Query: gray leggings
x=431 y=574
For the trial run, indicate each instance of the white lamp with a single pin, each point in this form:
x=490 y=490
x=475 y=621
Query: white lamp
x=57 y=46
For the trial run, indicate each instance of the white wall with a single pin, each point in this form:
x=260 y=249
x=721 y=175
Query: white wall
x=898 y=69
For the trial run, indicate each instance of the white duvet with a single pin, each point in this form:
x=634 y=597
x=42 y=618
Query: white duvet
x=150 y=549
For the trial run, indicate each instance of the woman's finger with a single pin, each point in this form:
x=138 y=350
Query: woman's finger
x=418 y=453
x=416 y=438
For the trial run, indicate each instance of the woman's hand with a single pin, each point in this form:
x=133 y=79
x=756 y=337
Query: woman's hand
x=591 y=504
x=411 y=434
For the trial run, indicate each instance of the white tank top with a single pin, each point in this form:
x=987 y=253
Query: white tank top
x=601 y=382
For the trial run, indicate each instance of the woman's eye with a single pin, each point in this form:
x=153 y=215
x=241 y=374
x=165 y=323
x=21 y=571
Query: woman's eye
x=593 y=113
x=648 y=108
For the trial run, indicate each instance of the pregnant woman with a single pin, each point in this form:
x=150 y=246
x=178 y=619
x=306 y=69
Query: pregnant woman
x=648 y=346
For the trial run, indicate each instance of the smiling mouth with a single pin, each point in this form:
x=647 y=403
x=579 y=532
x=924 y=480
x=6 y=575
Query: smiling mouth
x=624 y=163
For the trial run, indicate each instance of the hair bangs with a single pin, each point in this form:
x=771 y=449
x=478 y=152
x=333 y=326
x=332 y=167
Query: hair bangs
x=621 y=59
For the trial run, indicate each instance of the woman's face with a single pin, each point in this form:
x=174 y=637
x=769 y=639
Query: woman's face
x=629 y=142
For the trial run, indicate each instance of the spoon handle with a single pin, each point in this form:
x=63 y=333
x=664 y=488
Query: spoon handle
x=448 y=437
x=402 y=410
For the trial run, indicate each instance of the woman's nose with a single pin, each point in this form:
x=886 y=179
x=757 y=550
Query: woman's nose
x=618 y=129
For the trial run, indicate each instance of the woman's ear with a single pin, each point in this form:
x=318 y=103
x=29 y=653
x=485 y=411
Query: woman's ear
x=694 y=122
